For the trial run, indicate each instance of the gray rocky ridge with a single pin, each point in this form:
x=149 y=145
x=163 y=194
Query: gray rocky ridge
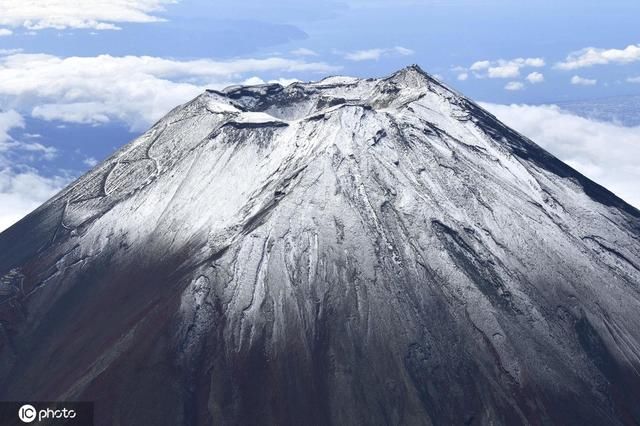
x=349 y=251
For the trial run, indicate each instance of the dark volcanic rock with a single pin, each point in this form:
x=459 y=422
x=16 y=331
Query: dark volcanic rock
x=341 y=252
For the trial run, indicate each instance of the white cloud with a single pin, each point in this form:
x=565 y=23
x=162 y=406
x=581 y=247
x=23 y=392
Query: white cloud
x=365 y=55
x=376 y=54
x=304 y=52
x=94 y=14
x=78 y=112
x=5 y=32
x=136 y=90
x=504 y=71
x=463 y=76
x=535 y=78
x=592 y=56
x=7 y=52
x=533 y=62
x=9 y=120
x=514 y=86
x=403 y=51
x=634 y=79
x=253 y=81
x=604 y=152
x=503 y=68
x=581 y=81
x=21 y=189
x=480 y=65
x=46 y=152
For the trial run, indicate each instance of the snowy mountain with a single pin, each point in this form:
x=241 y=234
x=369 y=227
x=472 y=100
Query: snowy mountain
x=375 y=251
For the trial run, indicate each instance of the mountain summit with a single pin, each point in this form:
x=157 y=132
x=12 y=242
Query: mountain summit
x=348 y=251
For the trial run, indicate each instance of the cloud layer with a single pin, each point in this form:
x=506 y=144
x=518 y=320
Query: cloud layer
x=22 y=188
x=93 y=14
x=514 y=86
x=8 y=120
x=605 y=152
x=503 y=68
x=535 y=78
x=592 y=56
x=584 y=58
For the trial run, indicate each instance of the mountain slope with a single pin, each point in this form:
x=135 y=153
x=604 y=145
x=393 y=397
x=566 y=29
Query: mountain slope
x=377 y=251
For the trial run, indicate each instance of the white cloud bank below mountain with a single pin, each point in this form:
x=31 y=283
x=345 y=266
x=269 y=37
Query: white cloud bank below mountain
x=22 y=189
x=605 y=152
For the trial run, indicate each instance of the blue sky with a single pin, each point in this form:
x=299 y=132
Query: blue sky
x=80 y=78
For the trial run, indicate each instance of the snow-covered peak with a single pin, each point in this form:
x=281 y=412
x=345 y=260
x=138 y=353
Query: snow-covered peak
x=302 y=100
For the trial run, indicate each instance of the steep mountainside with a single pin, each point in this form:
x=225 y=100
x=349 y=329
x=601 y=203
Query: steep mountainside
x=378 y=251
